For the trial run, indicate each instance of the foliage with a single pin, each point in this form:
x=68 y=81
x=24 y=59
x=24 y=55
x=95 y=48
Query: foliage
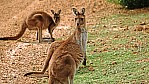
x=132 y=4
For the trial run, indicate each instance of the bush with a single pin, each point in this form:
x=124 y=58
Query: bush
x=132 y=4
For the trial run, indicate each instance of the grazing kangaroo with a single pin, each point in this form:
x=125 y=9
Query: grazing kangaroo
x=38 y=21
x=65 y=56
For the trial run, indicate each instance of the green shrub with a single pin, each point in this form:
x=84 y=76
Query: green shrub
x=132 y=4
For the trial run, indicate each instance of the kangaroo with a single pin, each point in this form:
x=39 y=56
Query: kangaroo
x=38 y=21
x=65 y=56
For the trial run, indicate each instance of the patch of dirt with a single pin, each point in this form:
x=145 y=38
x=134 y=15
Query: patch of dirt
x=143 y=60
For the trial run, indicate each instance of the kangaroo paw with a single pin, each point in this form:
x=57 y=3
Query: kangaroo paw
x=84 y=62
x=28 y=73
x=53 y=39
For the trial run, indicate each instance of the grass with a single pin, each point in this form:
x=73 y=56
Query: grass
x=114 y=1
x=114 y=55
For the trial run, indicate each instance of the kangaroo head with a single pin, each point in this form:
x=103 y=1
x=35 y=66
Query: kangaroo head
x=79 y=17
x=56 y=15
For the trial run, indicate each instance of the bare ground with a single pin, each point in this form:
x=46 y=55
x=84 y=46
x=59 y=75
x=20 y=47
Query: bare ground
x=25 y=54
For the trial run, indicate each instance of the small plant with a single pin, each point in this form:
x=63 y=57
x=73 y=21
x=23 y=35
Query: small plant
x=133 y=4
x=114 y=1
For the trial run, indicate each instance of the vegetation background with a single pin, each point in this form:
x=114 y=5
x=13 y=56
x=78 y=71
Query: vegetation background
x=118 y=43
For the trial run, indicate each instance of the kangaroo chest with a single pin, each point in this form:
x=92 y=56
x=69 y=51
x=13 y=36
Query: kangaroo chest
x=82 y=41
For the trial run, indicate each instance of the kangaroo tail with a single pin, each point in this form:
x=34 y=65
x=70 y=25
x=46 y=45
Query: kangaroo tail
x=30 y=73
x=24 y=26
x=5 y=38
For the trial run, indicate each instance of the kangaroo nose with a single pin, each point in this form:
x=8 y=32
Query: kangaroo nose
x=77 y=24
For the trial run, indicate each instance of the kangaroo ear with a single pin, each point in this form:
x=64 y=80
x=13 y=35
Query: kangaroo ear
x=52 y=11
x=75 y=11
x=59 y=11
x=83 y=11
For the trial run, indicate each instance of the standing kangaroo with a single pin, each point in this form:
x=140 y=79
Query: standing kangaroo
x=38 y=21
x=65 y=56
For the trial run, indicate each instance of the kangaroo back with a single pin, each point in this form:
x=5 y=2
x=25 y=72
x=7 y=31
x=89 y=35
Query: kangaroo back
x=61 y=69
x=64 y=62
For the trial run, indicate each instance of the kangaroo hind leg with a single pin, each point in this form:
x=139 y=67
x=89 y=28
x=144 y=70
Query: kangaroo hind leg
x=51 y=36
x=39 y=34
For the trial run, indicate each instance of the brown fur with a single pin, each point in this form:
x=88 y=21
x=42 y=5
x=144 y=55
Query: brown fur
x=65 y=56
x=38 y=20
